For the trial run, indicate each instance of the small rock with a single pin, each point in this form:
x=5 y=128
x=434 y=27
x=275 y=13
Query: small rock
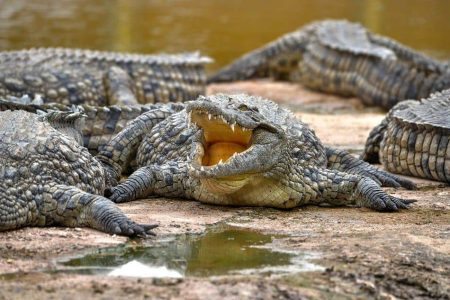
x=166 y=281
x=439 y=205
x=367 y=285
x=98 y=288
x=386 y=296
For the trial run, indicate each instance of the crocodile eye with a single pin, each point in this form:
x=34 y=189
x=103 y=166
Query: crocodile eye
x=243 y=107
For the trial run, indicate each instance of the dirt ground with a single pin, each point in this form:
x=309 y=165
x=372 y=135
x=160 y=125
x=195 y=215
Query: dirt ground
x=366 y=255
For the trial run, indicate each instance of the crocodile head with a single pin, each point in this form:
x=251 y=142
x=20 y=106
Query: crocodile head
x=235 y=143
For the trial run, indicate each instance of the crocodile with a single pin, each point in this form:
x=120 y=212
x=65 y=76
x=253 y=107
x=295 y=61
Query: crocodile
x=100 y=124
x=97 y=78
x=341 y=57
x=48 y=178
x=239 y=150
x=414 y=138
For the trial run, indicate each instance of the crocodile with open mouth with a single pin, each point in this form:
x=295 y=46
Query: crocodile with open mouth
x=341 y=57
x=240 y=150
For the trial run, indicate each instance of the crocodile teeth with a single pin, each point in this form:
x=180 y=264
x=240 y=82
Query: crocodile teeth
x=232 y=127
x=209 y=116
x=220 y=162
x=190 y=119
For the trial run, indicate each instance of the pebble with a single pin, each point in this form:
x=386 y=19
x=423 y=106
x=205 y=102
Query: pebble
x=366 y=285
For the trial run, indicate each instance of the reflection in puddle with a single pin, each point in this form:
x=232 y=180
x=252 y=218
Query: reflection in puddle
x=218 y=252
x=137 y=269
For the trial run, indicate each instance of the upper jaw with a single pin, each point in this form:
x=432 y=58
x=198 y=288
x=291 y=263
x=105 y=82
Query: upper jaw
x=230 y=117
x=233 y=155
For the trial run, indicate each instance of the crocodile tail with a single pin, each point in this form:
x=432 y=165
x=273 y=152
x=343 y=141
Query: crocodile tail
x=102 y=123
x=417 y=60
x=99 y=125
x=276 y=59
x=25 y=103
x=432 y=75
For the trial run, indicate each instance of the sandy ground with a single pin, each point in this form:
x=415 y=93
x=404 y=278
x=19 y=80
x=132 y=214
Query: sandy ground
x=366 y=255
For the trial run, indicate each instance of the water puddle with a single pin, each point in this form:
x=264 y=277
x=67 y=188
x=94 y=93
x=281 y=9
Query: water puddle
x=221 y=251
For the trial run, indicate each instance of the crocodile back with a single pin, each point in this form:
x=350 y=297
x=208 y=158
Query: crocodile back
x=76 y=76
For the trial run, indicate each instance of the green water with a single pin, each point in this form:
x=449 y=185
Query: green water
x=223 y=29
x=218 y=252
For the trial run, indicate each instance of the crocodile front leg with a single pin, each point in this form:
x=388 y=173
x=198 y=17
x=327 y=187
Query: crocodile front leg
x=167 y=180
x=68 y=206
x=76 y=208
x=339 y=188
x=343 y=161
x=119 y=87
x=120 y=151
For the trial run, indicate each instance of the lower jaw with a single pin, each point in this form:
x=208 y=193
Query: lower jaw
x=224 y=186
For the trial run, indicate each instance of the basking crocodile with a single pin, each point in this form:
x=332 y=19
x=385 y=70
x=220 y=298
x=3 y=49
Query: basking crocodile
x=343 y=58
x=100 y=124
x=414 y=139
x=75 y=76
x=240 y=150
x=47 y=178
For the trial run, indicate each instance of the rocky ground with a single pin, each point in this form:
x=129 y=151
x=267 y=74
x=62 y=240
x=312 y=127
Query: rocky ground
x=365 y=254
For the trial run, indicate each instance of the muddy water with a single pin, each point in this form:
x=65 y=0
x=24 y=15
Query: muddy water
x=219 y=251
x=219 y=28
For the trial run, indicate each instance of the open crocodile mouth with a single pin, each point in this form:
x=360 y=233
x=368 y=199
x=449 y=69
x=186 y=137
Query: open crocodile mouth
x=222 y=139
x=230 y=150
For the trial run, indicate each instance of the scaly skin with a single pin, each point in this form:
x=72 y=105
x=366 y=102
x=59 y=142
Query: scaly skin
x=239 y=150
x=75 y=76
x=47 y=178
x=343 y=58
x=414 y=139
x=101 y=122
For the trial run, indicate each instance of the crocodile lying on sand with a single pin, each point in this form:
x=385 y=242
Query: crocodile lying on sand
x=100 y=124
x=414 y=138
x=240 y=150
x=76 y=76
x=343 y=58
x=47 y=178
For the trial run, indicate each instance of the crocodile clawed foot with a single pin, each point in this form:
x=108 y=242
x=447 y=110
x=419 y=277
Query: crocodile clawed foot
x=372 y=196
x=391 y=180
x=388 y=179
x=388 y=203
x=145 y=230
x=132 y=229
x=119 y=194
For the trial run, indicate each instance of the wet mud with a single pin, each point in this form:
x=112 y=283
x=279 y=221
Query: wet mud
x=362 y=254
